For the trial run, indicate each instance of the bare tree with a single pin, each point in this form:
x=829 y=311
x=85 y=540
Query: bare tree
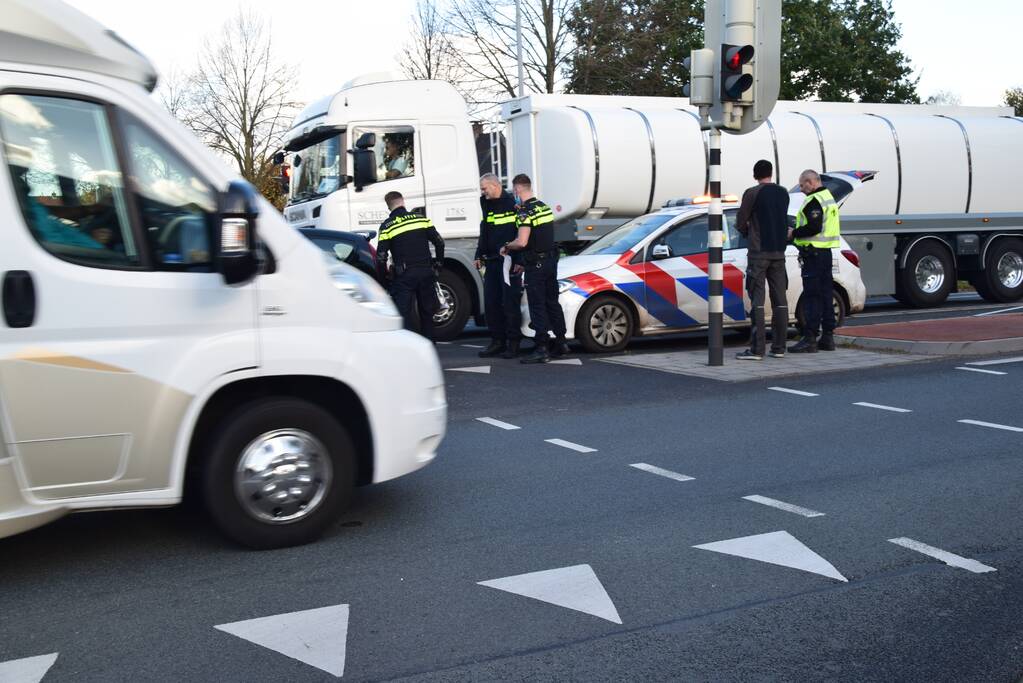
x=238 y=98
x=485 y=37
x=429 y=54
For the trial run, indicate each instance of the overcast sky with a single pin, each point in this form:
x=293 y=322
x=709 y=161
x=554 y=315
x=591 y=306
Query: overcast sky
x=334 y=40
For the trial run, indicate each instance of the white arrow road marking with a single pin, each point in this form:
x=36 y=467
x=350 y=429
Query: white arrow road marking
x=317 y=637
x=777 y=547
x=1000 y=361
x=480 y=369
x=951 y=559
x=571 y=446
x=28 y=670
x=787 y=507
x=497 y=423
x=653 y=469
x=795 y=392
x=992 y=425
x=986 y=372
x=881 y=407
x=567 y=361
x=576 y=588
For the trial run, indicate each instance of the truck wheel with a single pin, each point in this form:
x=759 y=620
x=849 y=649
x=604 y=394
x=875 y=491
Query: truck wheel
x=1002 y=279
x=277 y=472
x=928 y=277
x=837 y=303
x=605 y=325
x=449 y=325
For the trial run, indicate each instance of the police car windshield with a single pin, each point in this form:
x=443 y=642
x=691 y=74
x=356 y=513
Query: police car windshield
x=627 y=236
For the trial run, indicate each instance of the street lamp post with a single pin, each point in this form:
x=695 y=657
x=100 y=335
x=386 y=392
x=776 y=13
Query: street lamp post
x=518 y=44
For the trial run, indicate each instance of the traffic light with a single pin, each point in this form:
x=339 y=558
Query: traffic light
x=734 y=80
x=700 y=89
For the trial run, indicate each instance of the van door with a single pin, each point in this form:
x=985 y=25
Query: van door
x=395 y=150
x=113 y=316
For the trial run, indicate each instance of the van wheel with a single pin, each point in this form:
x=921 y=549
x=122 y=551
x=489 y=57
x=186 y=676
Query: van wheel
x=928 y=277
x=605 y=325
x=448 y=325
x=278 y=472
x=1002 y=280
x=837 y=302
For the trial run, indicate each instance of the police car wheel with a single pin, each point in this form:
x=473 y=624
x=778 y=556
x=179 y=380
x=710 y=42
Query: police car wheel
x=605 y=325
x=277 y=473
x=1002 y=278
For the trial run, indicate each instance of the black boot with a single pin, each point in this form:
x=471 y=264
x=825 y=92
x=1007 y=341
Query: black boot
x=539 y=355
x=560 y=349
x=826 y=343
x=512 y=350
x=808 y=344
x=496 y=348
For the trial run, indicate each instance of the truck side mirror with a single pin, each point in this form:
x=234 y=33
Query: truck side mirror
x=238 y=209
x=278 y=158
x=364 y=164
x=660 y=251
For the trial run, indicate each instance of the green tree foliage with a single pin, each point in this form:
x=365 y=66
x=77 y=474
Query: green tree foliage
x=1014 y=99
x=835 y=50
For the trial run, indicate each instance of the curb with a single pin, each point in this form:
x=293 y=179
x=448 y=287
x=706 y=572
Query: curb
x=934 y=348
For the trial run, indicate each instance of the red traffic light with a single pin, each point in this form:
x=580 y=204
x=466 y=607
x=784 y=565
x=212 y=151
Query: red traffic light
x=734 y=56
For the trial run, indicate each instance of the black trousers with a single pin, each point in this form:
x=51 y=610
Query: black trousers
x=502 y=303
x=818 y=287
x=542 y=292
x=416 y=285
x=760 y=274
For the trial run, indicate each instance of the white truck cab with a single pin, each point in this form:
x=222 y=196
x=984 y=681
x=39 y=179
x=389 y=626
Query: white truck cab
x=163 y=328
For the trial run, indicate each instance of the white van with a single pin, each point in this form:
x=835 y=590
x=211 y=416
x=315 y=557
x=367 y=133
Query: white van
x=163 y=330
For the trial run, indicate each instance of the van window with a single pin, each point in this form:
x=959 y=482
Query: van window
x=67 y=181
x=176 y=205
x=395 y=150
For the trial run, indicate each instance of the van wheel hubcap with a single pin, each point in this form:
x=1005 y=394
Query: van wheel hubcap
x=282 y=476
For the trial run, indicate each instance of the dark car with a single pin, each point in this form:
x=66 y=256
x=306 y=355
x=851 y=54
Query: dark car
x=349 y=247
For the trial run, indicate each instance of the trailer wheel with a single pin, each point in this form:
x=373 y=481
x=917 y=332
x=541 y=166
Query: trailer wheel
x=448 y=325
x=605 y=325
x=928 y=277
x=1002 y=279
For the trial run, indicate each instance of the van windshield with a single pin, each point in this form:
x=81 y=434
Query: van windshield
x=627 y=236
x=318 y=169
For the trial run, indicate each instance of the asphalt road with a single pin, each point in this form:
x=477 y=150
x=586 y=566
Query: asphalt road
x=137 y=596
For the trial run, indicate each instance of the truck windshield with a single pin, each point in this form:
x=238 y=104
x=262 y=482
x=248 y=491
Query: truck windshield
x=627 y=236
x=318 y=169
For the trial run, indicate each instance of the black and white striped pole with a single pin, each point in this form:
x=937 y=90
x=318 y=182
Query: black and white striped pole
x=715 y=269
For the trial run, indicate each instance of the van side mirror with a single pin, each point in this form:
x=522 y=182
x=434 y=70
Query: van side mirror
x=238 y=210
x=660 y=251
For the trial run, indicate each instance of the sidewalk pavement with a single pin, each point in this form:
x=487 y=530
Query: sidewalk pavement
x=968 y=336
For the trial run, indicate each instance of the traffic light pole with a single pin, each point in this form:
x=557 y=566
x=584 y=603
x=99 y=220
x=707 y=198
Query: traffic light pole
x=715 y=270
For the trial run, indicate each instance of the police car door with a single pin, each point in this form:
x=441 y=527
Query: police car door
x=735 y=259
x=675 y=276
x=395 y=152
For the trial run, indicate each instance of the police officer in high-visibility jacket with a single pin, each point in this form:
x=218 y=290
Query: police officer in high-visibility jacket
x=815 y=235
x=503 y=300
x=540 y=259
x=405 y=237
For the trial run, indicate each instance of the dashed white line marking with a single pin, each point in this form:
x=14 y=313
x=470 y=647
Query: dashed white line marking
x=795 y=392
x=992 y=425
x=891 y=409
x=781 y=505
x=986 y=372
x=951 y=559
x=653 y=469
x=571 y=446
x=497 y=423
x=1000 y=361
x=445 y=343
x=474 y=346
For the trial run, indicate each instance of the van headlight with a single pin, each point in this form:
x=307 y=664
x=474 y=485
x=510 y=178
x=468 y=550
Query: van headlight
x=363 y=290
x=564 y=286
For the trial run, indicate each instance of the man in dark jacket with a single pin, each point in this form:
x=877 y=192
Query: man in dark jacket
x=406 y=237
x=763 y=220
x=502 y=300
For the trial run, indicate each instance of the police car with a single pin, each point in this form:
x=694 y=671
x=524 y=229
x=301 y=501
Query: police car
x=649 y=276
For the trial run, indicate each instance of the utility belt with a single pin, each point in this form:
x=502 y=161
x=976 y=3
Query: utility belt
x=536 y=257
x=810 y=250
x=401 y=268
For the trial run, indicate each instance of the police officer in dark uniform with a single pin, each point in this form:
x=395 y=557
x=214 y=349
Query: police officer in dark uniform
x=540 y=259
x=405 y=236
x=502 y=300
